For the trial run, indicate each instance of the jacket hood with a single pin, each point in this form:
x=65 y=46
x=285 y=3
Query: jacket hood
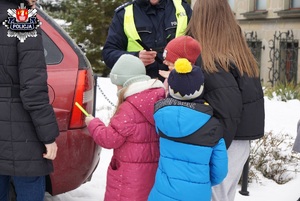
x=180 y=119
x=143 y=95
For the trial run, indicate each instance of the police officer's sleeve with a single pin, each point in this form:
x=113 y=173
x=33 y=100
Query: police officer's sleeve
x=116 y=41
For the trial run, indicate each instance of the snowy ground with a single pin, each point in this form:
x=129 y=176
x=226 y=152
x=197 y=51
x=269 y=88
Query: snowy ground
x=281 y=117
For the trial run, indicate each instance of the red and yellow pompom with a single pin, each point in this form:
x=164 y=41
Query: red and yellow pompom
x=183 y=65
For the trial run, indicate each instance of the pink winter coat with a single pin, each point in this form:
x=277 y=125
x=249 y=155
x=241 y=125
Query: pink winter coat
x=131 y=133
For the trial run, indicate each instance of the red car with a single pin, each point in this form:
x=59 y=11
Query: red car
x=70 y=80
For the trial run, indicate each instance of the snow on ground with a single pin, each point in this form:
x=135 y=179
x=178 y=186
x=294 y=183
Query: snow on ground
x=281 y=118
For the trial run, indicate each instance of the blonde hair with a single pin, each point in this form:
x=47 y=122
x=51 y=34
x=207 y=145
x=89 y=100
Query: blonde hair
x=213 y=24
x=121 y=98
x=121 y=95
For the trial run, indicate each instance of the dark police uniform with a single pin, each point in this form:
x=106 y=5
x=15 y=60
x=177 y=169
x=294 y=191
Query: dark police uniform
x=155 y=25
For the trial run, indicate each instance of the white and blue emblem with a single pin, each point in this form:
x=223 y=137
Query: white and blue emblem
x=22 y=23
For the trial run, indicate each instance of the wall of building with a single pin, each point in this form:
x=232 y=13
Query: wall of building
x=276 y=19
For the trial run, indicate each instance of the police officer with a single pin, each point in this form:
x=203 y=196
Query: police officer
x=154 y=22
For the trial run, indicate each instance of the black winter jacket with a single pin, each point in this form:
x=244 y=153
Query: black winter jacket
x=27 y=120
x=237 y=102
x=252 y=125
x=156 y=26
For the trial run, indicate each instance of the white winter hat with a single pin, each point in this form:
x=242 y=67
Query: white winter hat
x=127 y=70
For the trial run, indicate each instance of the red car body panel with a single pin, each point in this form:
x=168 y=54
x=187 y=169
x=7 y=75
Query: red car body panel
x=75 y=162
x=78 y=155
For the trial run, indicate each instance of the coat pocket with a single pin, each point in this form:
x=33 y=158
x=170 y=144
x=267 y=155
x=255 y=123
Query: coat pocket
x=114 y=164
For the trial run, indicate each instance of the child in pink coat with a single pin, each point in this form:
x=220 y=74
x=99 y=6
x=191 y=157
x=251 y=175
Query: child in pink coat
x=131 y=132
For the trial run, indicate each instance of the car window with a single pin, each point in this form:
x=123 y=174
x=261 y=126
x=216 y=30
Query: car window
x=52 y=53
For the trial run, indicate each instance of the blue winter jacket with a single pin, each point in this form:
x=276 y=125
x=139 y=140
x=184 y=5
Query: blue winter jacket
x=193 y=154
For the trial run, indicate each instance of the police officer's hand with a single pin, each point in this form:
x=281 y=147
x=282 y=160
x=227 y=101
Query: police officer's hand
x=51 y=150
x=147 y=57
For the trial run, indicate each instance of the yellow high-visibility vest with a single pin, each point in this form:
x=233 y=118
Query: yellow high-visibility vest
x=132 y=34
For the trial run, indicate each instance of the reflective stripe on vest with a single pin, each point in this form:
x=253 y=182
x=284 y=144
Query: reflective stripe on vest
x=181 y=17
x=132 y=34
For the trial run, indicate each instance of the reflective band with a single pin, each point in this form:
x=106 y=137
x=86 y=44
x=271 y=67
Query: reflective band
x=132 y=34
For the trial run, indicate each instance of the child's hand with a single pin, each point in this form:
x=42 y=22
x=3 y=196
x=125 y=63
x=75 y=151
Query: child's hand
x=88 y=119
x=164 y=73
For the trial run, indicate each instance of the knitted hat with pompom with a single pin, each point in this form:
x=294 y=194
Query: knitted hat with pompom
x=127 y=70
x=182 y=47
x=186 y=82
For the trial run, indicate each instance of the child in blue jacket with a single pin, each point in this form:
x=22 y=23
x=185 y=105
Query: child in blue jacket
x=193 y=155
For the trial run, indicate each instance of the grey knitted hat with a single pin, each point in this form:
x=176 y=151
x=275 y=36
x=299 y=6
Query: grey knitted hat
x=127 y=70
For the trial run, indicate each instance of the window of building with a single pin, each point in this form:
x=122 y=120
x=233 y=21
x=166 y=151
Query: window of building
x=231 y=3
x=295 y=4
x=256 y=9
x=255 y=45
x=291 y=8
x=289 y=60
x=260 y=4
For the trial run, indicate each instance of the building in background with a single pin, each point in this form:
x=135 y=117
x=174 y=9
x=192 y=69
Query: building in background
x=272 y=30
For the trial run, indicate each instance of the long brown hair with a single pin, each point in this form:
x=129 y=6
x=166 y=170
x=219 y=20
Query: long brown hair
x=213 y=24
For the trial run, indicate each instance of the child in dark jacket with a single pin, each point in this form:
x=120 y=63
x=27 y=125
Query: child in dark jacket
x=193 y=154
x=131 y=132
